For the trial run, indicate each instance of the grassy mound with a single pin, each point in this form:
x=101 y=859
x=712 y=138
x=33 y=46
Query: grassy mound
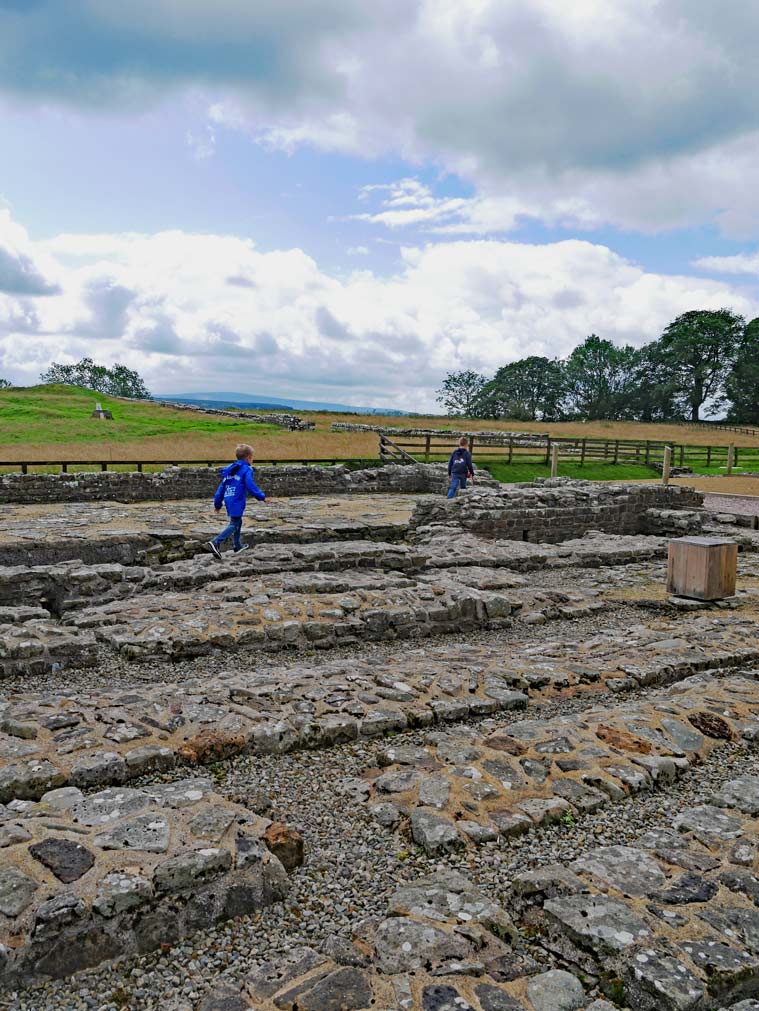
x=57 y=414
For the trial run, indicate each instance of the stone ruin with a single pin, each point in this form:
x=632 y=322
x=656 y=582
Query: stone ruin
x=500 y=689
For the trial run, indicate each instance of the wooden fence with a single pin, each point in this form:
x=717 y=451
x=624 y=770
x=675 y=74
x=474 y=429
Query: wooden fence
x=524 y=449
x=138 y=465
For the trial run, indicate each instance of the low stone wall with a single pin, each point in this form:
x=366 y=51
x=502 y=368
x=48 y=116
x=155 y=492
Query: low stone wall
x=291 y=421
x=201 y=482
x=556 y=510
x=495 y=438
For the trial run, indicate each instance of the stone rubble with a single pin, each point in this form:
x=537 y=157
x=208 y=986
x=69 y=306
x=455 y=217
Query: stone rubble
x=135 y=820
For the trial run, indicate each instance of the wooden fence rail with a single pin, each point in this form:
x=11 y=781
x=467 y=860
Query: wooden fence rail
x=646 y=452
x=138 y=465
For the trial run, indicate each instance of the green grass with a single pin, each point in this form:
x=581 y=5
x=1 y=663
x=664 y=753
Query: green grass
x=61 y=414
x=515 y=473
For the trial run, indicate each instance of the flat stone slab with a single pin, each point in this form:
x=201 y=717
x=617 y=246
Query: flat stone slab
x=76 y=888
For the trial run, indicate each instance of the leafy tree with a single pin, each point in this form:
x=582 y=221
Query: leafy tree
x=118 y=381
x=599 y=378
x=698 y=351
x=531 y=389
x=652 y=395
x=459 y=392
x=742 y=383
x=5 y=383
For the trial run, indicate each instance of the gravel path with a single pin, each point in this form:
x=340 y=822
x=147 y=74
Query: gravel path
x=352 y=866
x=743 y=505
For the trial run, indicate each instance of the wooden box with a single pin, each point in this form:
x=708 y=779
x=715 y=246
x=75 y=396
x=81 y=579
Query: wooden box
x=702 y=567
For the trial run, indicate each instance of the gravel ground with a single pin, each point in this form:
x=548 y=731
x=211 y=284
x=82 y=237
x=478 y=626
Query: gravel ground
x=744 y=505
x=352 y=866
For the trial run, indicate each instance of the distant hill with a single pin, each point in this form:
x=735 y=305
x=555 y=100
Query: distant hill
x=257 y=405
x=251 y=400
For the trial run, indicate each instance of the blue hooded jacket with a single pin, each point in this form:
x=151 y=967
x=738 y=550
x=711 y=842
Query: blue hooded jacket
x=236 y=484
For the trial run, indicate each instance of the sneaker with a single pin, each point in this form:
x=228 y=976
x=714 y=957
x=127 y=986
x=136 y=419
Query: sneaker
x=243 y=547
x=214 y=550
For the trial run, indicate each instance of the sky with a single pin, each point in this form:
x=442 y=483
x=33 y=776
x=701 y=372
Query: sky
x=340 y=200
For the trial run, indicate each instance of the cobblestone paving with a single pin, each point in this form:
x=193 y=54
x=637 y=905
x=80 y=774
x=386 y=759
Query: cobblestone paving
x=254 y=784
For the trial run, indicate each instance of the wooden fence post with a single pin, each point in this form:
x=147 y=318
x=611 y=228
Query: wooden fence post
x=616 y=451
x=708 y=456
x=555 y=460
x=427 y=449
x=582 y=452
x=548 y=449
x=730 y=458
x=511 y=448
x=648 y=451
x=666 y=465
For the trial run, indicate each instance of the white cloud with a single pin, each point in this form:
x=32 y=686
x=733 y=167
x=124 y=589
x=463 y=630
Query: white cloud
x=202 y=311
x=23 y=270
x=742 y=263
x=639 y=113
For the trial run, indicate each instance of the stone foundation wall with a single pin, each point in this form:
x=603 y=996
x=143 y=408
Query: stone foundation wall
x=556 y=510
x=201 y=482
x=291 y=421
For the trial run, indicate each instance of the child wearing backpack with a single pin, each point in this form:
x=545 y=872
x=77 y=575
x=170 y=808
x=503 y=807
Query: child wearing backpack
x=236 y=484
x=460 y=467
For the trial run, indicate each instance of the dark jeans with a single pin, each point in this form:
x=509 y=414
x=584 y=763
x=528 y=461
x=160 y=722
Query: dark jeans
x=233 y=530
x=457 y=481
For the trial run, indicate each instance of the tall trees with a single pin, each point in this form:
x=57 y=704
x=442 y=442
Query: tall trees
x=460 y=391
x=698 y=350
x=118 y=381
x=599 y=378
x=742 y=384
x=4 y=384
x=531 y=389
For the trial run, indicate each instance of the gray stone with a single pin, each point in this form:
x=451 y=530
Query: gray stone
x=604 y=925
x=629 y=870
x=148 y=833
x=544 y=811
x=29 y=780
x=448 y=895
x=386 y=814
x=402 y=945
x=109 y=805
x=434 y=792
x=99 y=769
x=68 y=860
x=11 y=834
x=342 y=951
x=149 y=758
x=662 y=982
x=434 y=833
x=225 y=998
x=688 y=888
x=63 y=799
x=270 y=977
x=183 y=871
x=555 y=991
x=725 y=967
x=709 y=825
x=584 y=798
x=440 y=997
x=397 y=782
x=211 y=822
x=181 y=794
x=476 y=832
x=120 y=891
x=16 y=890
x=741 y=793
x=683 y=735
x=344 y=989
x=493 y=998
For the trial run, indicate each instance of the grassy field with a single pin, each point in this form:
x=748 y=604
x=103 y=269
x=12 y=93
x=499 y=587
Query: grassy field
x=54 y=423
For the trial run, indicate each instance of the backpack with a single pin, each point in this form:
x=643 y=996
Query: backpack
x=460 y=467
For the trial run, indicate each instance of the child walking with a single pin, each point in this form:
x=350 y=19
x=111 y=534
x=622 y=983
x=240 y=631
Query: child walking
x=460 y=467
x=236 y=484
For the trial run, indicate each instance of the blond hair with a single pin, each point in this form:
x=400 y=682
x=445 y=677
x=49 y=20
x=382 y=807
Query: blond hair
x=463 y=441
x=244 y=451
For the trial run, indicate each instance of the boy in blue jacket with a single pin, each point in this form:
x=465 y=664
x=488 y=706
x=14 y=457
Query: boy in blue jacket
x=236 y=484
